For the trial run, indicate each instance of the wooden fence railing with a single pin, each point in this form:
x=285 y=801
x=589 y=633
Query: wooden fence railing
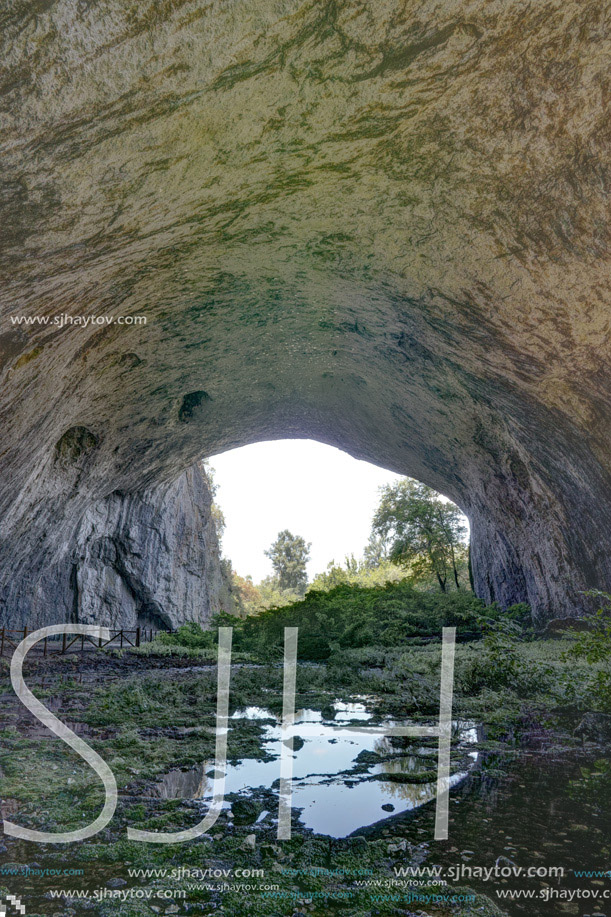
x=65 y=643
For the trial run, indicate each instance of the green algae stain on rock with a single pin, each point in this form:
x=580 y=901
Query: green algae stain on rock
x=26 y=358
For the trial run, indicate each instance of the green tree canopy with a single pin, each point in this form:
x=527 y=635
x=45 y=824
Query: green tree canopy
x=422 y=531
x=289 y=555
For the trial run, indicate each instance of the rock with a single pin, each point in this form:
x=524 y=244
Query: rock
x=388 y=234
x=116 y=883
x=249 y=842
x=388 y=807
x=399 y=847
x=246 y=811
x=149 y=559
x=595 y=727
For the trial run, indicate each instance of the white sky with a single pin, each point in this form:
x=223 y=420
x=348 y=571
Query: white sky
x=313 y=490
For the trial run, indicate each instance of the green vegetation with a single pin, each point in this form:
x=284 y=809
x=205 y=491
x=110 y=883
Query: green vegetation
x=381 y=642
x=358 y=573
x=594 y=646
x=417 y=537
x=423 y=531
x=289 y=556
x=349 y=617
x=266 y=594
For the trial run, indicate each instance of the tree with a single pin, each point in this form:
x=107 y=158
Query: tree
x=289 y=555
x=425 y=532
x=333 y=576
x=376 y=552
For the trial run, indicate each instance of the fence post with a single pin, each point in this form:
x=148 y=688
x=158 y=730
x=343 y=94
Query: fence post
x=64 y=642
x=138 y=636
x=44 y=651
x=2 y=643
x=121 y=634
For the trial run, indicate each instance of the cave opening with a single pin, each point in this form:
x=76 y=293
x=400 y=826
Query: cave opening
x=319 y=497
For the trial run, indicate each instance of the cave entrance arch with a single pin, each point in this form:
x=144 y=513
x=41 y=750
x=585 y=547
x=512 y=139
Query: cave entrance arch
x=516 y=555
x=386 y=232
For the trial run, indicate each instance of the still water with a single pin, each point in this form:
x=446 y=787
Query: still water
x=332 y=788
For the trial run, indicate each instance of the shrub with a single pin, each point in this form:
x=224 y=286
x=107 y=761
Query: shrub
x=189 y=635
x=353 y=617
x=498 y=665
x=594 y=647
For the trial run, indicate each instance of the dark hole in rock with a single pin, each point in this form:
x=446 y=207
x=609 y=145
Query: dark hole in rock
x=191 y=403
x=74 y=444
x=128 y=360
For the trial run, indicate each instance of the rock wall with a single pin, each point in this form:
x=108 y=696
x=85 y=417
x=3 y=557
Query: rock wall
x=380 y=224
x=149 y=559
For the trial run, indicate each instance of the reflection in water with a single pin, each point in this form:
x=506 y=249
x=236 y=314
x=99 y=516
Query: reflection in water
x=177 y=784
x=334 y=798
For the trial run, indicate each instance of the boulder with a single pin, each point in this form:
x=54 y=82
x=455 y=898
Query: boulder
x=595 y=727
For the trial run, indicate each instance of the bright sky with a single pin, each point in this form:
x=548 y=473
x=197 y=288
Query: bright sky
x=311 y=489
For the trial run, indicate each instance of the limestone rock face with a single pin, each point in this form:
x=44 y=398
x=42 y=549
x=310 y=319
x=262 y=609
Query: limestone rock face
x=148 y=559
x=382 y=225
